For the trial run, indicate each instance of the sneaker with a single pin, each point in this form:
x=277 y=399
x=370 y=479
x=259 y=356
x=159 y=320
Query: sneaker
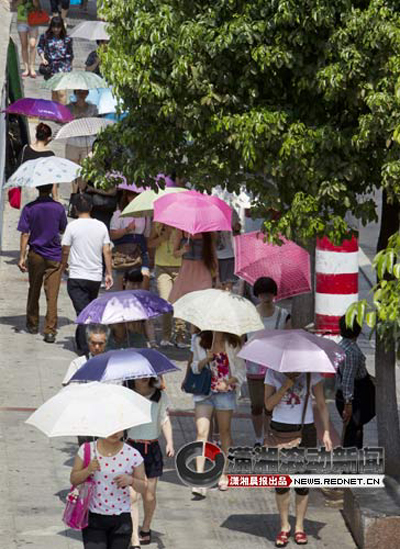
x=166 y=343
x=49 y=338
x=182 y=345
x=202 y=492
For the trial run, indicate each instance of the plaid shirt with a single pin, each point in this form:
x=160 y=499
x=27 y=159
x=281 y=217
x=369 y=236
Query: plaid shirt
x=353 y=367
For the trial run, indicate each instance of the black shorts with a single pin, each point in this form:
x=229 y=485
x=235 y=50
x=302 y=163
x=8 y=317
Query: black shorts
x=56 y=3
x=153 y=458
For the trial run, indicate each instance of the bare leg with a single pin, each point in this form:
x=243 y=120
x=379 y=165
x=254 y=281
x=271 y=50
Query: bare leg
x=282 y=502
x=23 y=36
x=203 y=413
x=64 y=14
x=135 y=517
x=32 y=51
x=301 y=509
x=149 y=503
x=224 y=418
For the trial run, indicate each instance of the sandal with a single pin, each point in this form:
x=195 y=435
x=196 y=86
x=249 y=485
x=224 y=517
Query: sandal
x=145 y=537
x=300 y=538
x=282 y=539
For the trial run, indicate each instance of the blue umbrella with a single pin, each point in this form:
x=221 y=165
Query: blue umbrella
x=116 y=366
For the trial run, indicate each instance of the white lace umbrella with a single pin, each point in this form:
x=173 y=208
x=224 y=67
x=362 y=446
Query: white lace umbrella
x=83 y=127
x=91 y=30
x=91 y=409
x=44 y=171
x=219 y=311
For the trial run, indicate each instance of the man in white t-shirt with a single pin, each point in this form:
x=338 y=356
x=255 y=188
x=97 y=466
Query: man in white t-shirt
x=84 y=244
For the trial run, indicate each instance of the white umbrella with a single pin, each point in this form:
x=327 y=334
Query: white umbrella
x=219 y=311
x=83 y=127
x=91 y=30
x=44 y=171
x=91 y=409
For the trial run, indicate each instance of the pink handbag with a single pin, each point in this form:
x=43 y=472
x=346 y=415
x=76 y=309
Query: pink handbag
x=77 y=507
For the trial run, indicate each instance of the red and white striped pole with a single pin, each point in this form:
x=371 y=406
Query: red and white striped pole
x=336 y=269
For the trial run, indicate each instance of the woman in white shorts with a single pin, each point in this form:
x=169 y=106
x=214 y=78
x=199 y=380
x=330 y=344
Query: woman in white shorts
x=27 y=35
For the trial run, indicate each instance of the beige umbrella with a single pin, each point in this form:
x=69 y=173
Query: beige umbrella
x=219 y=311
x=143 y=204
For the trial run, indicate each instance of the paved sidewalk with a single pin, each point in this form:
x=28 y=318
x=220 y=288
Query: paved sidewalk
x=34 y=470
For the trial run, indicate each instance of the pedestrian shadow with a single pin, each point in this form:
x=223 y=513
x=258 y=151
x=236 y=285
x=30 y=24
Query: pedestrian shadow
x=267 y=525
x=12 y=254
x=170 y=476
x=18 y=322
x=69 y=533
x=62 y=495
x=67 y=343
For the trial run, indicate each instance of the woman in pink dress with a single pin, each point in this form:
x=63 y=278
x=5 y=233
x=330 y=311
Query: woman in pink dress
x=199 y=263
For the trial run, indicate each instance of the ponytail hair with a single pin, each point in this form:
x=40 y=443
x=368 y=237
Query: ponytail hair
x=43 y=132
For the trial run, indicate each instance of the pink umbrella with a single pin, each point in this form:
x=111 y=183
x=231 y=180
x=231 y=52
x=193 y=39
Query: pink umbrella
x=293 y=351
x=288 y=264
x=193 y=212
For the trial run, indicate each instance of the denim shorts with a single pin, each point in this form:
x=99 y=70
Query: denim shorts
x=220 y=401
x=24 y=27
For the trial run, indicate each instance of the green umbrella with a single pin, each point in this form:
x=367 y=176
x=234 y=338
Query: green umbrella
x=75 y=80
x=143 y=204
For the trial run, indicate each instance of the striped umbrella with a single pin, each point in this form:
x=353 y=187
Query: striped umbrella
x=91 y=30
x=83 y=127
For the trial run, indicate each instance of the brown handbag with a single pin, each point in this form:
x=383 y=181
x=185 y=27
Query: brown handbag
x=126 y=256
x=288 y=439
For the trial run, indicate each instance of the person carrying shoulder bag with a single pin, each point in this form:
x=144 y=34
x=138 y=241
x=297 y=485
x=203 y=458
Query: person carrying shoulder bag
x=288 y=396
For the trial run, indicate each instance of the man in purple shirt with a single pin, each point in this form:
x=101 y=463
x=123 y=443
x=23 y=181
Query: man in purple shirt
x=40 y=224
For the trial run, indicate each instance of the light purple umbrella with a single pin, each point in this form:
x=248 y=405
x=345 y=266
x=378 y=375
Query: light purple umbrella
x=168 y=181
x=125 y=306
x=293 y=351
x=40 y=108
x=125 y=186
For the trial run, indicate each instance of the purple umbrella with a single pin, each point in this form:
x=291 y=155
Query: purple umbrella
x=117 y=366
x=293 y=351
x=125 y=306
x=40 y=108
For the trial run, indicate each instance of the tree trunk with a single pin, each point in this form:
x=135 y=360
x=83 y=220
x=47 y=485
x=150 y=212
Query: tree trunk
x=303 y=305
x=386 y=405
x=387 y=414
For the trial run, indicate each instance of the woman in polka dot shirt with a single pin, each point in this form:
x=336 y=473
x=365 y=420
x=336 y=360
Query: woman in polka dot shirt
x=114 y=467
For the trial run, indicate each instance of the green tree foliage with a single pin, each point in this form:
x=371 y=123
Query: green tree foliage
x=383 y=314
x=299 y=99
